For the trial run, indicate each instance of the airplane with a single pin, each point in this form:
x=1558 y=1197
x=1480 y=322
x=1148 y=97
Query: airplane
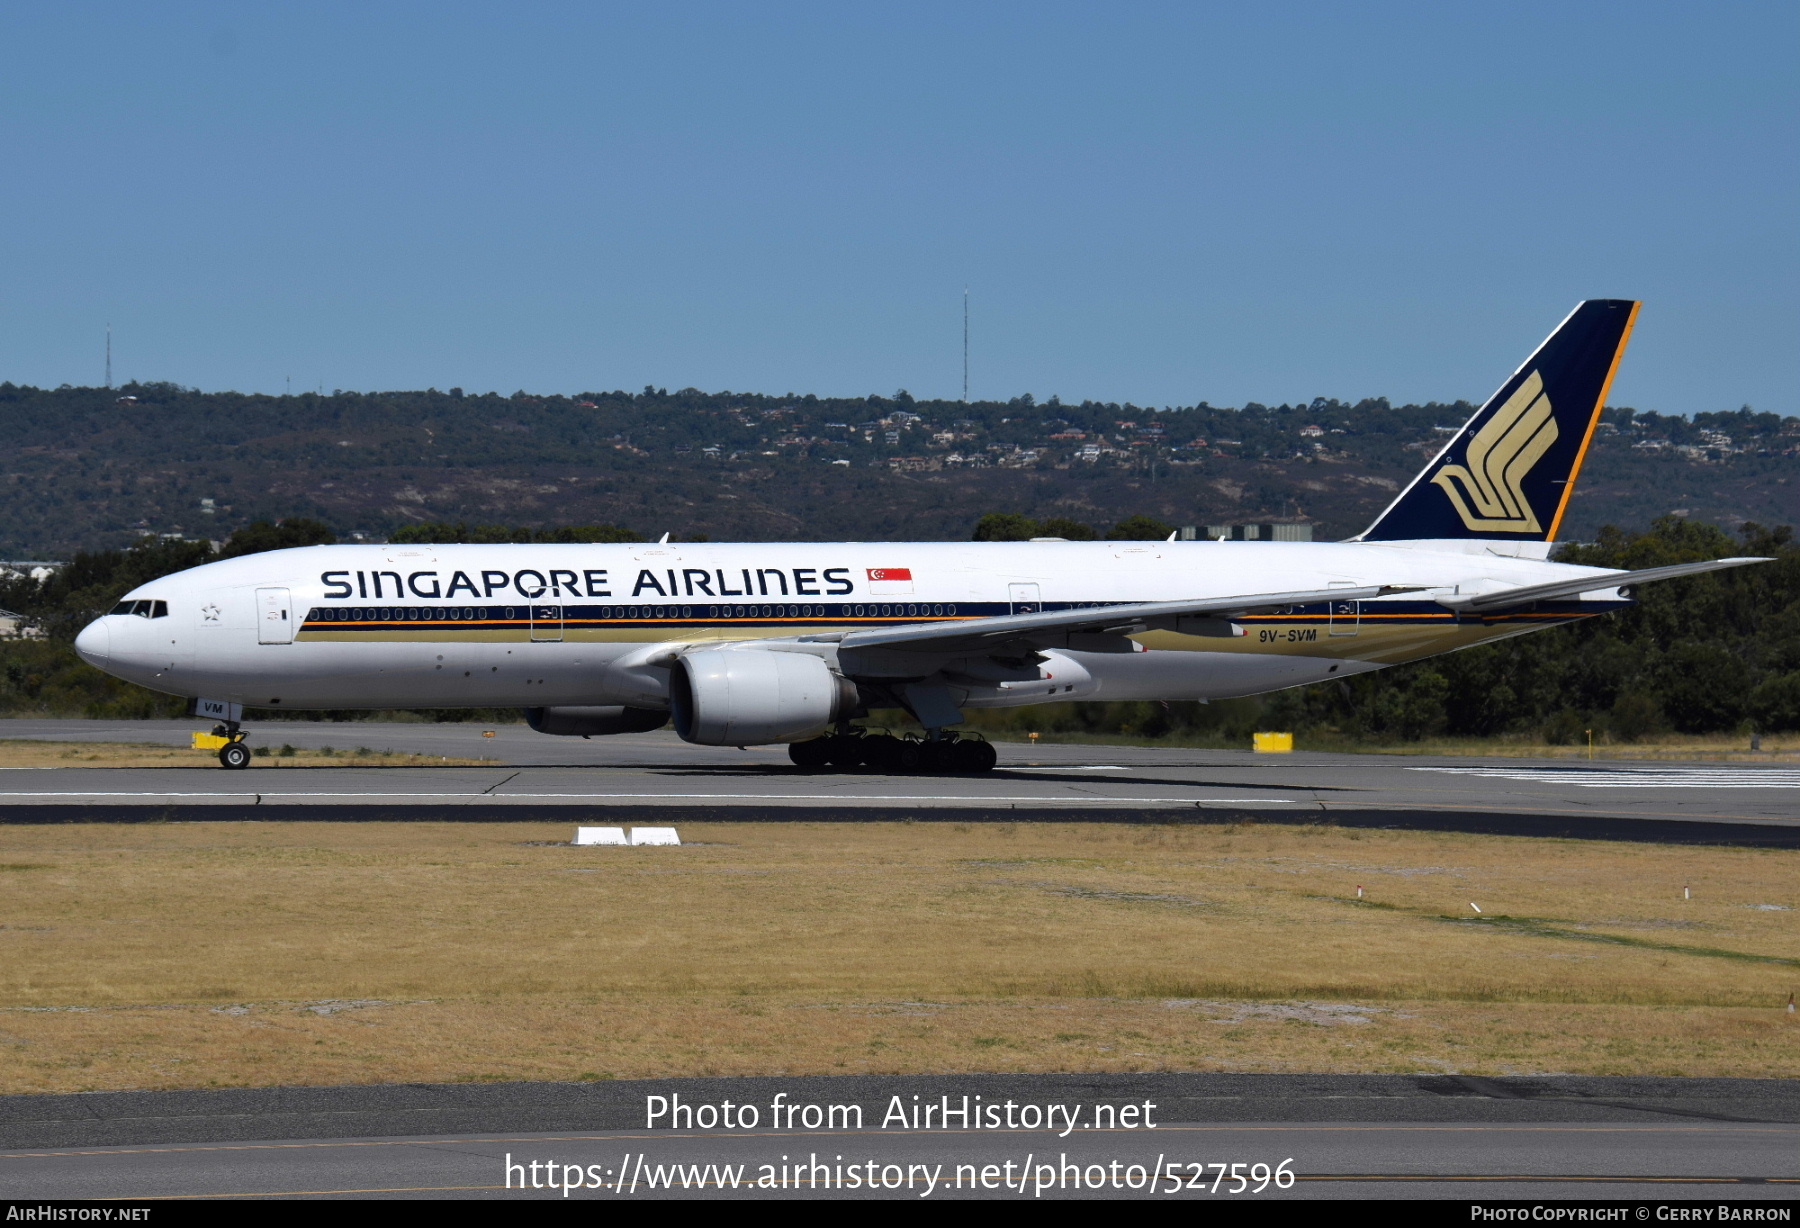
x=743 y=644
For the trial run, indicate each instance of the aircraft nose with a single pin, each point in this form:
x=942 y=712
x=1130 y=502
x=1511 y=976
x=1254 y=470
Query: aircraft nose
x=94 y=644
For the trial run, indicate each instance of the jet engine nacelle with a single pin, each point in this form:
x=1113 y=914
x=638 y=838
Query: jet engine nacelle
x=595 y=722
x=749 y=696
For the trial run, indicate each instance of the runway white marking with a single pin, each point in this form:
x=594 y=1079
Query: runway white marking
x=1071 y=768
x=1638 y=778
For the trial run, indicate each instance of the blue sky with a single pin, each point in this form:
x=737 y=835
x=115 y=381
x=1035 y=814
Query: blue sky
x=1155 y=203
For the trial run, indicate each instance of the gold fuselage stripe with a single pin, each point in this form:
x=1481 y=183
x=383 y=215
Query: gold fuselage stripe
x=1384 y=639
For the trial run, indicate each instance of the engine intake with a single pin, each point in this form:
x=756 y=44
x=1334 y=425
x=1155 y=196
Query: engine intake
x=595 y=722
x=749 y=696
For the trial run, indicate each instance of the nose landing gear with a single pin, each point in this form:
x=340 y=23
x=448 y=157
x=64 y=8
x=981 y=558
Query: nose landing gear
x=234 y=755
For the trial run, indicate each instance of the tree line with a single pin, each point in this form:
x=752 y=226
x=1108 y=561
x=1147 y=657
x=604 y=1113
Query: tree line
x=1013 y=527
x=443 y=533
x=1705 y=654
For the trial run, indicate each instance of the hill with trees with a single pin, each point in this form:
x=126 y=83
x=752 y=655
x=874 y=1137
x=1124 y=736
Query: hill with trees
x=91 y=467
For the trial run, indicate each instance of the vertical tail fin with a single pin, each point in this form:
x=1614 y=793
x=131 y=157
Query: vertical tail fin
x=1508 y=474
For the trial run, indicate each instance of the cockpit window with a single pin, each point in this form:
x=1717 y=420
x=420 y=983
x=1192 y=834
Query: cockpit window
x=143 y=609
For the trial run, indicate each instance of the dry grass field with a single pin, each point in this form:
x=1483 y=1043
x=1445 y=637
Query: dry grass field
x=30 y=753
x=207 y=954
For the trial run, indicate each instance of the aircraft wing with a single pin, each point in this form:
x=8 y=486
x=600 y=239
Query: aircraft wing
x=1050 y=628
x=1508 y=598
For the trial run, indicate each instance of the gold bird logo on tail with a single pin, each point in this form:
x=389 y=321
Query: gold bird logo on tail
x=1486 y=490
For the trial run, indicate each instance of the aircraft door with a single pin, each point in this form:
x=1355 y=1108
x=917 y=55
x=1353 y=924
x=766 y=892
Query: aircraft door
x=546 y=624
x=1024 y=598
x=274 y=616
x=1346 y=616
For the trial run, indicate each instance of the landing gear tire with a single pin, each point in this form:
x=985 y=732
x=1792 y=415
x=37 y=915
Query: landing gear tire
x=234 y=756
x=881 y=751
x=967 y=755
x=813 y=754
x=845 y=750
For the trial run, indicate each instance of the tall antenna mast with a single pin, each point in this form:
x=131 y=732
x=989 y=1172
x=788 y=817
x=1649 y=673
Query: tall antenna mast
x=965 y=345
x=109 y=355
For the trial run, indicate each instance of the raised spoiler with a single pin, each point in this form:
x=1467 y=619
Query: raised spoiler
x=981 y=634
x=1506 y=599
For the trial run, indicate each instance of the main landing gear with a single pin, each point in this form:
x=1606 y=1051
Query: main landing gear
x=234 y=755
x=886 y=753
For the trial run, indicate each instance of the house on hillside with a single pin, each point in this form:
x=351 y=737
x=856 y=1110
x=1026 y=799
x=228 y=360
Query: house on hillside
x=14 y=627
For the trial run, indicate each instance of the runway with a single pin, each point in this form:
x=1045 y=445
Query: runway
x=1348 y=1136
x=533 y=775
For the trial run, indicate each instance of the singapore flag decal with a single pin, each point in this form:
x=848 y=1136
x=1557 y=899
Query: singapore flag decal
x=890 y=581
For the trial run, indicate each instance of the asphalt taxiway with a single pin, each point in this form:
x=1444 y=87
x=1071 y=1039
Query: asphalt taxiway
x=1341 y=1136
x=530 y=775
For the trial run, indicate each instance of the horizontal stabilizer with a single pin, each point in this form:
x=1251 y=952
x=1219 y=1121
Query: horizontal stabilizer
x=1509 y=598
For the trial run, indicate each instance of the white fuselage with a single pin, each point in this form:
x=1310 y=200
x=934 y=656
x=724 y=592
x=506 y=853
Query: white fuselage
x=546 y=625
